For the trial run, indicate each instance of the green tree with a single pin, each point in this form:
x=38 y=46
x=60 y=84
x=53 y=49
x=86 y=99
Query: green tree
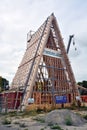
x=3 y=83
x=0 y=83
x=83 y=84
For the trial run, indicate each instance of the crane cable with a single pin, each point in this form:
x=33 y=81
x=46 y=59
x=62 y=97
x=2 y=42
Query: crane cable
x=74 y=43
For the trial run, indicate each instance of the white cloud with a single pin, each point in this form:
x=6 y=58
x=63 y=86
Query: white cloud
x=17 y=17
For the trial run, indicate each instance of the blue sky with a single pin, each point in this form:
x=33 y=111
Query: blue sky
x=17 y=17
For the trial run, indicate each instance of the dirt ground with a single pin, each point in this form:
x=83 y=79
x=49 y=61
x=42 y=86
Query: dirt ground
x=47 y=121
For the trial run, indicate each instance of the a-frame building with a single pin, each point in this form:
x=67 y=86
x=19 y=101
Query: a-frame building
x=45 y=72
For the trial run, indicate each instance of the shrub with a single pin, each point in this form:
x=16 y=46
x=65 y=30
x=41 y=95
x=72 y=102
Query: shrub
x=50 y=124
x=68 y=121
x=29 y=113
x=13 y=113
x=6 y=121
x=85 y=117
x=39 y=110
x=56 y=126
x=16 y=122
x=42 y=129
x=40 y=120
x=22 y=125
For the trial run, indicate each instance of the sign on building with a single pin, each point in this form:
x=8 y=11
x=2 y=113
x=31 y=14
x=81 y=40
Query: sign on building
x=30 y=100
x=60 y=99
x=52 y=53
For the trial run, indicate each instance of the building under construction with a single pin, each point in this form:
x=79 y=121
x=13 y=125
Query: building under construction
x=45 y=76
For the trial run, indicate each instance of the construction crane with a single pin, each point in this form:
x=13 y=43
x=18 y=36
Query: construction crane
x=68 y=47
x=69 y=43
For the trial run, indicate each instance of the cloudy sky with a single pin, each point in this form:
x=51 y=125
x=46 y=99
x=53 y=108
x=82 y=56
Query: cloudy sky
x=17 y=17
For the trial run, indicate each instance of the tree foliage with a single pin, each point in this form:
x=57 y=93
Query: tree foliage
x=83 y=84
x=3 y=83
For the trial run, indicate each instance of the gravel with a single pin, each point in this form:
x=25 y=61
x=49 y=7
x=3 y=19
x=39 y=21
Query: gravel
x=60 y=117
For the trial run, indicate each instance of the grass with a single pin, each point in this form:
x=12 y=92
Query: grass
x=22 y=125
x=56 y=126
x=16 y=122
x=50 y=124
x=27 y=113
x=40 y=120
x=6 y=121
x=21 y=113
x=83 y=108
x=12 y=114
x=68 y=120
x=85 y=117
x=9 y=114
x=42 y=129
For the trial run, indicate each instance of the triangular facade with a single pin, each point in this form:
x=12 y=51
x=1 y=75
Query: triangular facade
x=45 y=70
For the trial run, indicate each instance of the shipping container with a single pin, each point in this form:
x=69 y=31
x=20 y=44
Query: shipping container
x=84 y=98
x=11 y=99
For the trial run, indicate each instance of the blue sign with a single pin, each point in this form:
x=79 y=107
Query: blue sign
x=52 y=53
x=61 y=99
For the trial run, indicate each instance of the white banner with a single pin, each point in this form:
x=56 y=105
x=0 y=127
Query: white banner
x=52 y=53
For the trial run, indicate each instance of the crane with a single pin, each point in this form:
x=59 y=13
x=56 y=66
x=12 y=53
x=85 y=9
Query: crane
x=69 y=43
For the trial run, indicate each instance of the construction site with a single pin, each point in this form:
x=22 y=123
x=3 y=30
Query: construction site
x=44 y=77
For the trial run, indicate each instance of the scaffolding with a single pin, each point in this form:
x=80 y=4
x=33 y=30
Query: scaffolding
x=45 y=71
